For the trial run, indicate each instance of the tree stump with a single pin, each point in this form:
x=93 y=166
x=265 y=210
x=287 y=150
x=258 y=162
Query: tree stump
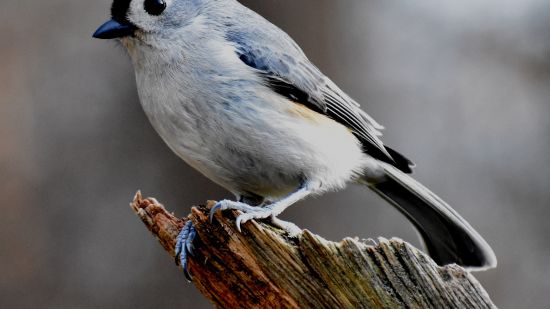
x=264 y=268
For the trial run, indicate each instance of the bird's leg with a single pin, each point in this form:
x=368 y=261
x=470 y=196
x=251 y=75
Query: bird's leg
x=268 y=211
x=184 y=246
x=275 y=209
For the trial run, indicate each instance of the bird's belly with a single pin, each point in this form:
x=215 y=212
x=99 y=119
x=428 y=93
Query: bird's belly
x=268 y=150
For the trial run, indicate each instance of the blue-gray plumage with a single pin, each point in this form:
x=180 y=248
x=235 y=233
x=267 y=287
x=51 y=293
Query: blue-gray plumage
x=237 y=99
x=288 y=72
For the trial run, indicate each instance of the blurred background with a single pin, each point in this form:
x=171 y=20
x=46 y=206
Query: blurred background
x=462 y=86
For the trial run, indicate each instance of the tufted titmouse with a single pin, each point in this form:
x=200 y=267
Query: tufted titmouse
x=236 y=98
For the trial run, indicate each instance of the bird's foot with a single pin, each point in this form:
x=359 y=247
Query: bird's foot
x=185 y=248
x=257 y=213
x=227 y=204
x=251 y=212
x=292 y=229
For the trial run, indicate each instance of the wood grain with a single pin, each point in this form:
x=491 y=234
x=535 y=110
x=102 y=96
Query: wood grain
x=263 y=268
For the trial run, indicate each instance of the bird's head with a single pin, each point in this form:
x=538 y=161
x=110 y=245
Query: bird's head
x=142 y=19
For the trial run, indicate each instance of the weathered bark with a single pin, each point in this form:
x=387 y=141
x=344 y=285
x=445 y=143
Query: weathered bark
x=262 y=268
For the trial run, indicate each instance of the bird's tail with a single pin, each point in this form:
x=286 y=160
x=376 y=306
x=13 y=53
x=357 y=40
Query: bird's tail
x=447 y=236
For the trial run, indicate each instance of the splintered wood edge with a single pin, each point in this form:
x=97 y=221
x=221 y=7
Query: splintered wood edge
x=165 y=226
x=344 y=269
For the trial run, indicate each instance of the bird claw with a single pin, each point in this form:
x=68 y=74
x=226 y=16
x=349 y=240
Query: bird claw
x=214 y=210
x=185 y=248
x=291 y=229
x=227 y=204
x=261 y=213
x=251 y=213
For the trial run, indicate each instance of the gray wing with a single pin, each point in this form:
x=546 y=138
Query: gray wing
x=285 y=68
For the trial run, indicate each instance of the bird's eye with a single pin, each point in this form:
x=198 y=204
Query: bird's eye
x=155 y=7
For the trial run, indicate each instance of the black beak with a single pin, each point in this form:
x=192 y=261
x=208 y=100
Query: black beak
x=113 y=29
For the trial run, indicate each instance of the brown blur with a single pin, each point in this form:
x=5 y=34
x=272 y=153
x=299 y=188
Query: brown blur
x=463 y=88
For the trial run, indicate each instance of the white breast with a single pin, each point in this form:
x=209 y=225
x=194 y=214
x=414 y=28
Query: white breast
x=215 y=114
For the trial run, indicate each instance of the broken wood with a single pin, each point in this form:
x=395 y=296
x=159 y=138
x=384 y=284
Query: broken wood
x=263 y=268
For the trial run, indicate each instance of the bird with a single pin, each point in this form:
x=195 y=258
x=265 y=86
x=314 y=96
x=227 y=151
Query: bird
x=237 y=99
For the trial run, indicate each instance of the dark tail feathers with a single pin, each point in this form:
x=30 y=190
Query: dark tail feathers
x=447 y=236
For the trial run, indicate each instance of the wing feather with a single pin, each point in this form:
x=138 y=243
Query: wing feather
x=285 y=69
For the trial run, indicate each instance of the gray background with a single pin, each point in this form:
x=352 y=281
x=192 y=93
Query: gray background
x=462 y=86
